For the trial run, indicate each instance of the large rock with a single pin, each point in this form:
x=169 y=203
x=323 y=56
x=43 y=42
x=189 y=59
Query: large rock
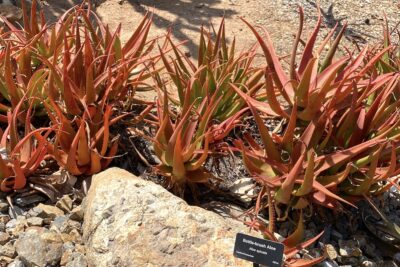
x=132 y=222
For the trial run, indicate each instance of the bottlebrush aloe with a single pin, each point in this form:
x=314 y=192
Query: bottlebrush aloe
x=217 y=67
x=72 y=73
x=342 y=126
x=182 y=143
x=21 y=156
x=318 y=83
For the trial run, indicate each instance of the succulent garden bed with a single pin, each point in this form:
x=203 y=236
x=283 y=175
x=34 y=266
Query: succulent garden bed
x=305 y=147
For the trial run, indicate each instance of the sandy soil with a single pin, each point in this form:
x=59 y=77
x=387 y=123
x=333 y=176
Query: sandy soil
x=185 y=17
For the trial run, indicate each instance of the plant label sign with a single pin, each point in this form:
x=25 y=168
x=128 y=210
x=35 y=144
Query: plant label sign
x=259 y=251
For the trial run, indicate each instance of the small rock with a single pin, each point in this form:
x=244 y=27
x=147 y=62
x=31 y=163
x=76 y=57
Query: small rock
x=78 y=261
x=327 y=263
x=16 y=263
x=66 y=257
x=396 y=258
x=47 y=211
x=80 y=248
x=199 y=5
x=77 y=214
x=3 y=206
x=76 y=236
x=60 y=224
x=11 y=224
x=4 y=238
x=4 y=218
x=330 y=252
x=65 y=203
x=34 y=221
x=8 y=250
x=68 y=248
x=368 y=264
x=5 y=261
x=349 y=248
x=243 y=189
x=16 y=226
x=39 y=249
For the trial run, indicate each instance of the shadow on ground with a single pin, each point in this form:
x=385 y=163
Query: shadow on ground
x=183 y=17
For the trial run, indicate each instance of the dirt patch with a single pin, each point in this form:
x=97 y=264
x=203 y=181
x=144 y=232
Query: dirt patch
x=365 y=18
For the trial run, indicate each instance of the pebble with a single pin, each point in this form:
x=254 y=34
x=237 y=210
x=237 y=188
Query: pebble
x=327 y=263
x=16 y=263
x=34 y=221
x=16 y=226
x=330 y=252
x=77 y=214
x=8 y=250
x=65 y=203
x=47 y=211
x=79 y=260
x=3 y=206
x=4 y=218
x=396 y=258
x=368 y=264
x=243 y=190
x=5 y=261
x=349 y=248
x=4 y=238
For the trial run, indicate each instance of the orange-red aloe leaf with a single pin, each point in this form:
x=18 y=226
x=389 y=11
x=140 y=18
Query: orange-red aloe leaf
x=327 y=161
x=5 y=171
x=293 y=74
x=271 y=97
x=191 y=166
x=303 y=89
x=280 y=77
x=335 y=179
x=20 y=179
x=297 y=236
x=333 y=48
x=71 y=163
x=308 y=50
x=8 y=76
x=95 y=162
x=288 y=136
x=260 y=106
x=198 y=176
x=309 y=176
x=111 y=154
x=178 y=166
x=292 y=251
x=319 y=187
x=269 y=145
x=284 y=193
